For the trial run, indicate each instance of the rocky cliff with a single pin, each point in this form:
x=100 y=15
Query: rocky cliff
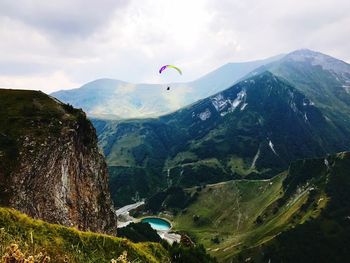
x=50 y=166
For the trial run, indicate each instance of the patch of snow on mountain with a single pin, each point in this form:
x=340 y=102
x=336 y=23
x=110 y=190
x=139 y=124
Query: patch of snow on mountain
x=305 y=117
x=238 y=100
x=307 y=102
x=255 y=159
x=205 y=115
x=244 y=105
x=326 y=163
x=219 y=102
x=272 y=147
x=224 y=106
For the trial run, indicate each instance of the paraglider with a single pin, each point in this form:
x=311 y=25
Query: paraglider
x=169 y=66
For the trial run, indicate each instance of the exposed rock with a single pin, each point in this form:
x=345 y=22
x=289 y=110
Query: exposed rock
x=58 y=174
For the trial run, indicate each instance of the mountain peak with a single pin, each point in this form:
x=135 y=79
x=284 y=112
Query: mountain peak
x=305 y=54
x=318 y=59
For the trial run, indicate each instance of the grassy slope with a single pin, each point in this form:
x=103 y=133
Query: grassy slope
x=229 y=211
x=324 y=237
x=28 y=109
x=59 y=242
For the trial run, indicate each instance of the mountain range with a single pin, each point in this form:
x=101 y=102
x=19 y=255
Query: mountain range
x=293 y=108
x=115 y=99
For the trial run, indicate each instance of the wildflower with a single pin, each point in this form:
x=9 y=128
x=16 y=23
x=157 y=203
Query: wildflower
x=123 y=258
x=30 y=259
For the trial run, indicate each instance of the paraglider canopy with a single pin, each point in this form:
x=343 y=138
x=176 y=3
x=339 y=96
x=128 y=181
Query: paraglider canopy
x=169 y=66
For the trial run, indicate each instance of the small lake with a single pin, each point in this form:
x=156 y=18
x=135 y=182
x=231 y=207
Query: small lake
x=157 y=223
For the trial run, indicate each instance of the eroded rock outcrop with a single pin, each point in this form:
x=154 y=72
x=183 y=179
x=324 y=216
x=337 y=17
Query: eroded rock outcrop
x=50 y=164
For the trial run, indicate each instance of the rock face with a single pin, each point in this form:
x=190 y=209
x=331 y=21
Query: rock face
x=50 y=164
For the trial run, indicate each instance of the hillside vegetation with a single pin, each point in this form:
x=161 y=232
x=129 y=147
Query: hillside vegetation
x=322 y=238
x=289 y=218
x=64 y=244
x=242 y=132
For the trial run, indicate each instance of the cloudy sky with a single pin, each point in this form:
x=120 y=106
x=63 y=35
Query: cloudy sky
x=62 y=44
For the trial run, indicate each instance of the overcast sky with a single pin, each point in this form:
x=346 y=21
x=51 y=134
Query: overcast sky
x=62 y=44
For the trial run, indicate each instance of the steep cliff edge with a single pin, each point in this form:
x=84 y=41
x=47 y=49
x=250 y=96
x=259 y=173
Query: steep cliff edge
x=50 y=166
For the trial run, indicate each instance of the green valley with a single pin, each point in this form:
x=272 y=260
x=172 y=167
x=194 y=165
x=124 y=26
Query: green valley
x=263 y=219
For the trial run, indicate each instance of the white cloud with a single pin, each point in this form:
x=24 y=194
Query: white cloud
x=46 y=83
x=63 y=18
x=65 y=43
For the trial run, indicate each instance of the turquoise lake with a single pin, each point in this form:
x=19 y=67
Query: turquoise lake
x=157 y=223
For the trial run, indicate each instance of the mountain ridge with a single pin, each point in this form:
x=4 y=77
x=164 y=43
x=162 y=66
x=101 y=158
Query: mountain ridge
x=99 y=97
x=242 y=131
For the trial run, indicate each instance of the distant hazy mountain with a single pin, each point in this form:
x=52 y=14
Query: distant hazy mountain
x=113 y=99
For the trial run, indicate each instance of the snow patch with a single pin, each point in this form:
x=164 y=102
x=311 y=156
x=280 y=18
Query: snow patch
x=219 y=102
x=272 y=147
x=255 y=159
x=307 y=102
x=326 y=163
x=243 y=106
x=204 y=115
x=226 y=105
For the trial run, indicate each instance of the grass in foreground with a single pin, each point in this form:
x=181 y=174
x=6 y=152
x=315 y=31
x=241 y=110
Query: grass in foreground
x=63 y=244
